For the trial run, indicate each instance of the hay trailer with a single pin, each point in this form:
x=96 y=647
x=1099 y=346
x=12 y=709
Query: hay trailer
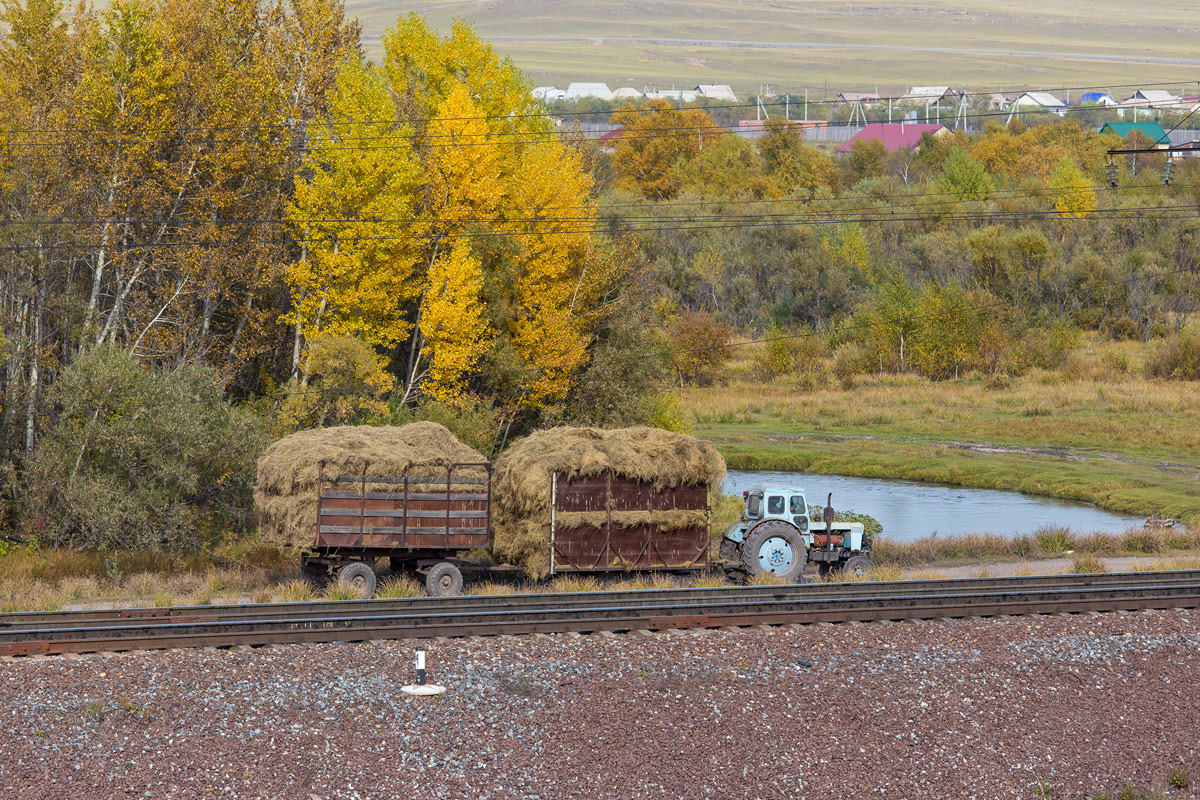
x=419 y=520
x=608 y=523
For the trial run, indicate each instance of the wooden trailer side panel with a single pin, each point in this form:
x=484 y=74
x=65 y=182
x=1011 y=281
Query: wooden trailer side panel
x=613 y=547
x=420 y=511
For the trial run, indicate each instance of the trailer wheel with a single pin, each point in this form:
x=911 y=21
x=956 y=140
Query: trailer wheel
x=358 y=576
x=858 y=566
x=776 y=547
x=444 y=580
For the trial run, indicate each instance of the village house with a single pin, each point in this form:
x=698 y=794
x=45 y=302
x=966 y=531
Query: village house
x=895 y=135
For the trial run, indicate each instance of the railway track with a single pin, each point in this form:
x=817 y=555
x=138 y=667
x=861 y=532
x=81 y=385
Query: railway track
x=24 y=634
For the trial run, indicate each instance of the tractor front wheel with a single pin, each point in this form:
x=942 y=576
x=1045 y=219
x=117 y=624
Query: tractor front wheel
x=775 y=547
x=858 y=566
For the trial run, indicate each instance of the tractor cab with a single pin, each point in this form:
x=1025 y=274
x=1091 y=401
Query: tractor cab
x=775 y=502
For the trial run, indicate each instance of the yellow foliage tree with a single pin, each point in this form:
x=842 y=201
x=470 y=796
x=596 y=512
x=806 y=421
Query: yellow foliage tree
x=466 y=233
x=356 y=191
x=1074 y=195
x=452 y=321
x=657 y=142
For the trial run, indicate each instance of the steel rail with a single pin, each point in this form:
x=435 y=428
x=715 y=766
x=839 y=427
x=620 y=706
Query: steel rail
x=348 y=608
x=733 y=610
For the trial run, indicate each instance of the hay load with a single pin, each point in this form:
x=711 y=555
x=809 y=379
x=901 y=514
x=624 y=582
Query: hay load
x=285 y=494
x=522 y=477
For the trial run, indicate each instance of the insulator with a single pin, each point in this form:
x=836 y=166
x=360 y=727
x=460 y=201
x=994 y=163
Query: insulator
x=1168 y=171
x=1114 y=174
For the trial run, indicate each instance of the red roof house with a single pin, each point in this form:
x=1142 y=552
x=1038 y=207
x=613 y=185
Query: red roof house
x=894 y=135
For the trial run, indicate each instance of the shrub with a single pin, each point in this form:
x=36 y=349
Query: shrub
x=1177 y=358
x=1179 y=777
x=700 y=344
x=136 y=458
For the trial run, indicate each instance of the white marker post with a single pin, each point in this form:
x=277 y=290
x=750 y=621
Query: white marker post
x=421 y=688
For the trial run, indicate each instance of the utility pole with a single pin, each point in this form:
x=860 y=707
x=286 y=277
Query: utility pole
x=787 y=114
x=806 y=104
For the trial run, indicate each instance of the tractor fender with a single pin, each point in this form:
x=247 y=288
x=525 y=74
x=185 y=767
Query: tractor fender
x=750 y=528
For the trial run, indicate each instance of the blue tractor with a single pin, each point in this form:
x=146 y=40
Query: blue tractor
x=776 y=535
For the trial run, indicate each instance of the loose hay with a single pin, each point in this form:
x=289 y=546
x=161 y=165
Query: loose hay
x=285 y=494
x=521 y=483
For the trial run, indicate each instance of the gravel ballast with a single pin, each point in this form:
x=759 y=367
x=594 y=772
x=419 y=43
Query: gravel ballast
x=997 y=708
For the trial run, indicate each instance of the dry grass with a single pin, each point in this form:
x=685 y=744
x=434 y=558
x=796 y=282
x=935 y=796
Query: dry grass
x=575 y=583
x=399 y=587
x=493 y=588
x=297 y=591
x=1046 y=543
x=1165 y=564
x=339 y=590
x=1087 y=564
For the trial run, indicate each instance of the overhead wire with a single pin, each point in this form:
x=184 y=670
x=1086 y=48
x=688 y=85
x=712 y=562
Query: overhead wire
x=1140 y=212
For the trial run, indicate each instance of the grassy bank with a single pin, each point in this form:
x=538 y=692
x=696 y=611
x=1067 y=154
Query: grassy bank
x=1096 y=433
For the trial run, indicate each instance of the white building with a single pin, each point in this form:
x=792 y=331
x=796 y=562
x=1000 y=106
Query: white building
x=717 y=91
x=927 y=94
x=626 y=93
x=1035 y=101
x=677 y=95
x=578 y=91
x=1152 y=98
x=548 y=93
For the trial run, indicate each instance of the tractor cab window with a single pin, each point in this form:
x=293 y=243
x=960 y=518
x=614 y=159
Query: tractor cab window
x=754 y=505
x=799 y=512
x=775 y=505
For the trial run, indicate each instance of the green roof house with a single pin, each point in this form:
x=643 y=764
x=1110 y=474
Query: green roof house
x=1151 y=130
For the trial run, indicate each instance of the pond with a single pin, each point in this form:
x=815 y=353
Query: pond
x=909 y=510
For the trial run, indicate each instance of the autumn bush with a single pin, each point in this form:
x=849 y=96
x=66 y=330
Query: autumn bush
x=1177 y=358
x=700 y=344
x=138 y=459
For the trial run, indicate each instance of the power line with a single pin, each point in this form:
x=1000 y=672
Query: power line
x=1004 y=194
x=1172 y=212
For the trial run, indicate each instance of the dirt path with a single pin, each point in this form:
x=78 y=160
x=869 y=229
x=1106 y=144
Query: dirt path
x=1048 y=566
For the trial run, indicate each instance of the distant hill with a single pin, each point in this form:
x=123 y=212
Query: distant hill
x=842 y=44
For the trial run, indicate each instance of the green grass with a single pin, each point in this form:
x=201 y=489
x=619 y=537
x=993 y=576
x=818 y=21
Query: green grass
x=1159 y=29
x=1126 y=444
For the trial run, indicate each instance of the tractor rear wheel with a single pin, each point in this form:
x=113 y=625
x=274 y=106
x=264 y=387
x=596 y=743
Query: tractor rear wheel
x=775 y=547
x=731 y=561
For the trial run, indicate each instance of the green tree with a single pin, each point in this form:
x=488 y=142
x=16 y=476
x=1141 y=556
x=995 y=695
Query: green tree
x=964 y=178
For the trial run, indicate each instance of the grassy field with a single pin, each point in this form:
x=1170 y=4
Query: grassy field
x=1096 y=432
x=847 y=45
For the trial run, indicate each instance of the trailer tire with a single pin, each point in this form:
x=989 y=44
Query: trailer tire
x=777 y=547
x=444 y=580
x=857 y=566
x=359 y=576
